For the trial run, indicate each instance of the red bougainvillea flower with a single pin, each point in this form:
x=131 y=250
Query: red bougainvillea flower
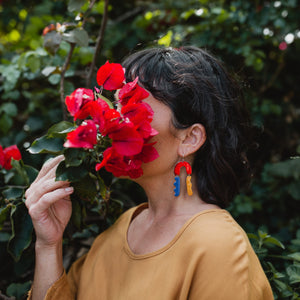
x=111 y=76
x=131 y=92
x=77 y=99
x=7 y=154
x=128 y=130
x=84 y=136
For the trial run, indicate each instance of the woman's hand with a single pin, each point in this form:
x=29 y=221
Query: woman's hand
x=49 y=205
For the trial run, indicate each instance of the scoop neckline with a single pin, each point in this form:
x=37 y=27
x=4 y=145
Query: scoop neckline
x=142 y=207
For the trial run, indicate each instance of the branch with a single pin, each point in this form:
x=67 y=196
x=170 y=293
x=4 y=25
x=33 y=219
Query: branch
x=62 y=80
x=98 y=44
x=86 y=14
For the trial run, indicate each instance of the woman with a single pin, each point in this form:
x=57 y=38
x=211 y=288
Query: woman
x=172 y=247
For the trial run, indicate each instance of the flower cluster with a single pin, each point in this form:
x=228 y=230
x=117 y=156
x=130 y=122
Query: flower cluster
x=128 y=128
x=7 y=154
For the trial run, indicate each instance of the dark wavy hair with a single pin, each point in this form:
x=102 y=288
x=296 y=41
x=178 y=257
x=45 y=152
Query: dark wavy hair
x=198 y=89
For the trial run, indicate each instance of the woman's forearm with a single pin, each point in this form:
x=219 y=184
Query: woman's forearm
x=48 y=269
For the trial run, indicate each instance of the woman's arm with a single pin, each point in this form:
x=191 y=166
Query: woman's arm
x=49 y=205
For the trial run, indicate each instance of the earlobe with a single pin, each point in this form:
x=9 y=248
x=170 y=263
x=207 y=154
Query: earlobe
x=195 y=137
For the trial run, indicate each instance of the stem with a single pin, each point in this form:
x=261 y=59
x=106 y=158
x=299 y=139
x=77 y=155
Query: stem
x=88 y=12
x=62 y=81
x=98 y=44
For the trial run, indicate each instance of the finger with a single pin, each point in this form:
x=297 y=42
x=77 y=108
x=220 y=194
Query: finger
x=38 y=189
x=39 y=207
x=49 y=165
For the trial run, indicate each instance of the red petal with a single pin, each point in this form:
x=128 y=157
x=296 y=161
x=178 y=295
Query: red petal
x=106 y=156
x=84 y=136
x=115 y=163
x=77 y=99
x=111 y=76
x=9 y=153
x=137 y=112
x=132 y=92
x=149 y=153
x=126 y=140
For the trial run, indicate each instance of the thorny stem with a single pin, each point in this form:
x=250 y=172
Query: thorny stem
x=62 y=81
x=98 y=44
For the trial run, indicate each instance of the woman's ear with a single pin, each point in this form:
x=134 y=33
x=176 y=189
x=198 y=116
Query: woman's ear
x=193 y=139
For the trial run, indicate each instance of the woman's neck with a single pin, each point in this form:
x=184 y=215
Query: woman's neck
x=162 y=203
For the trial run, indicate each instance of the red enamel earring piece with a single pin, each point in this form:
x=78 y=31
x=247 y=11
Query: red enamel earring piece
x=188 y=169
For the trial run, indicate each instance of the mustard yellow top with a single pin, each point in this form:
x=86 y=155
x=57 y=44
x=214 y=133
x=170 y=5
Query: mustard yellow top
x=210 y=258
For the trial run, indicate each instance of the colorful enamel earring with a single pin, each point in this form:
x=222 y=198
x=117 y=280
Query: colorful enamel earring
x=188 y=169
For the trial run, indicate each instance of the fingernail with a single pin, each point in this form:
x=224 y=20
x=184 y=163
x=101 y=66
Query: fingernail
x=69 y=189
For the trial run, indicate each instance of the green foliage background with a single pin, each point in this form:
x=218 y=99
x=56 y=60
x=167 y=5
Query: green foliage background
x=258 y=40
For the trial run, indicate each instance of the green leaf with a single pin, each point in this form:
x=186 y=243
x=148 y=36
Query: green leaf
x=52 y=41
x=295 y=256
x=280 y=285
x=21 y=231
x=4 y=237
x=54 y=79
x=252 y=236
x=77 y=212
x=85 y=188
x=285 y=169
x=294 y=273
x=166 y=39
x=272 y=240
x=6 y=123
x=78 y=36
x=47 y=145
x=70 y=174
x=11 y=74
x=60 y=129
x=19 y=167
x=34 y=63
x=4 y=212
x=81 y=37
x=294 y=189
x=74 y=157
x=31 y=173
x=9 y=109
x=75 y=5
x=262 y=234
x=18 y=290
x=48 y=70
x=13 y=193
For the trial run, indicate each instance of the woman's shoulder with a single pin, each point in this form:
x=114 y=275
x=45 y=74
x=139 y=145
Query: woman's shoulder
x=216 y=229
